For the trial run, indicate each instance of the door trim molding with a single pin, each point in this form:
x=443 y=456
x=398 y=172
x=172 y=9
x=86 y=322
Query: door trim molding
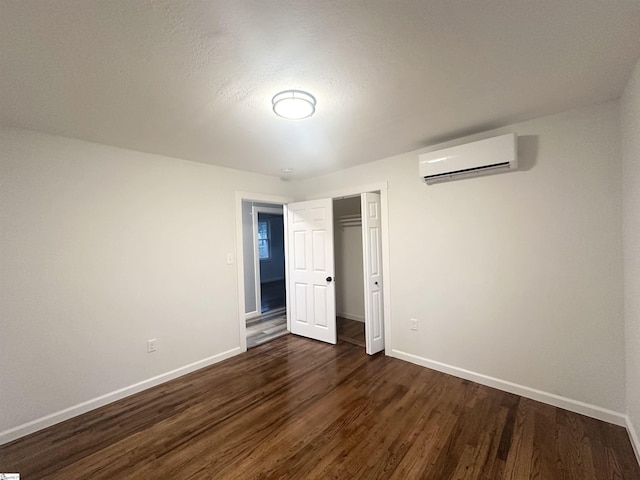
x=381 y=187
x=250 y=197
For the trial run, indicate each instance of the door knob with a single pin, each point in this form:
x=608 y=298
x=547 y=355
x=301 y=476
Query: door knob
x=329 y=279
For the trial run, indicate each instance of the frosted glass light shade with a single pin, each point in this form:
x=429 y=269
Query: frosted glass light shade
x=293 y=104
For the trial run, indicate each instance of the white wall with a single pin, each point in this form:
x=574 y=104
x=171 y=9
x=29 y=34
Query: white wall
x=516 y=276
x=348 y=262
x=101 y=249
x=630 y=113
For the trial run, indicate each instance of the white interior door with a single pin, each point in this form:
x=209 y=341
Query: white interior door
x=312 y=292
x=372 y=262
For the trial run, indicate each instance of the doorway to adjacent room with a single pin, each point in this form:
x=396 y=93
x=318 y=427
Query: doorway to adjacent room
x=264 y=259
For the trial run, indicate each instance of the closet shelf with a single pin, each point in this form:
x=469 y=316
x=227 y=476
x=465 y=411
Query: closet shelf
x=354 y=220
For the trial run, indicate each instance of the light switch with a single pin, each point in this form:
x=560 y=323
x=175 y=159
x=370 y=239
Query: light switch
x=229 y=258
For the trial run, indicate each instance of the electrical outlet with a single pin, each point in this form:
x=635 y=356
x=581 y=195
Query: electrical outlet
x=414 y=324
x=152 y=345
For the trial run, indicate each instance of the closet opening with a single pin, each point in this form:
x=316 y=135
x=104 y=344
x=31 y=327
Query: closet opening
x=349 y=285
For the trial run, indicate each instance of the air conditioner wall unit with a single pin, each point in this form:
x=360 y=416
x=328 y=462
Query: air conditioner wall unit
x=484 y=157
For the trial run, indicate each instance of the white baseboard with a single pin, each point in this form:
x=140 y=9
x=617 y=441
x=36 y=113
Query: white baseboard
x=57 y=417
x=633 y=435
x=351 y=316
x=576 y=406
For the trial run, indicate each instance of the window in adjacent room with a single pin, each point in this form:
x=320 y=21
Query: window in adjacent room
x=264 y=240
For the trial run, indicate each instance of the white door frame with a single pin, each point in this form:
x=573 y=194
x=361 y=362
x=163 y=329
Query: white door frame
x=281 y=200
x=384 y=212
x=250 y=197
x=256 y=252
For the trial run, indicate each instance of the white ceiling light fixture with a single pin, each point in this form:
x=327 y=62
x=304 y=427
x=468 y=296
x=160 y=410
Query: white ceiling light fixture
x=293 y=104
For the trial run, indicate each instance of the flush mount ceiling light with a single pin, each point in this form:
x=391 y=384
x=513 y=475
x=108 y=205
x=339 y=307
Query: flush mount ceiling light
x=293 y=104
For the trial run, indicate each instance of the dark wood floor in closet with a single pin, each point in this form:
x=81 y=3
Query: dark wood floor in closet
x=298 y=409
x=350 y=331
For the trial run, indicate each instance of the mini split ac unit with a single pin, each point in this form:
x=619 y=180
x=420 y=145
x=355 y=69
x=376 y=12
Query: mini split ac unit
x=483 y=157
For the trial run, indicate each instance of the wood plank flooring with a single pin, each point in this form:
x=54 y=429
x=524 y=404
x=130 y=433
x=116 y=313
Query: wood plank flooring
x=350 y=331
x=299 y=409
x=268 y=326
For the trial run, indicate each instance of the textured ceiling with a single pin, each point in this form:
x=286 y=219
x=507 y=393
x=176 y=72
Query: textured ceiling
x=194 y=79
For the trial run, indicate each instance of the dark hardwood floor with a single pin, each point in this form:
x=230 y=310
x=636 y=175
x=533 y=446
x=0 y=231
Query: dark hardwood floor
x=350 y=331
x=298 y=409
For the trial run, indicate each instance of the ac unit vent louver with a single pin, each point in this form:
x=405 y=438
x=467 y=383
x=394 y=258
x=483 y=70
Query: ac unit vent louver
x=483 y=157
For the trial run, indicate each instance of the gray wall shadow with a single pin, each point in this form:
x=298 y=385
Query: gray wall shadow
x=527 y=151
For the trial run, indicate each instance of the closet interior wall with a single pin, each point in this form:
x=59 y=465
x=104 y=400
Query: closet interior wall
x=348 y=258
